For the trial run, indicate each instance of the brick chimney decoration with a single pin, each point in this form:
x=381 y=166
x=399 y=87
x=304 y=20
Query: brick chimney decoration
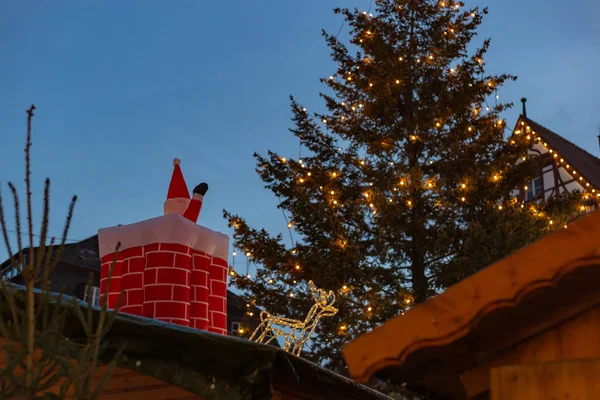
x=170 y=268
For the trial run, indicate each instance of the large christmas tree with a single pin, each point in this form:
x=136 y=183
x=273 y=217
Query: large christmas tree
x=409 y=182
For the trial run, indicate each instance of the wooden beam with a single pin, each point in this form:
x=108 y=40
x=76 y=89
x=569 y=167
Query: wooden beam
x=574 y=339
x=130 y=385
x=563 y=380
x=125 y=384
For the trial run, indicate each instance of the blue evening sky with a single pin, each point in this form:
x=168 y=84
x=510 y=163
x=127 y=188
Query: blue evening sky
x=122 y=87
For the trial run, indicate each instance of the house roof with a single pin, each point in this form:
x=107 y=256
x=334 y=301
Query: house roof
x=215 y=366
x=583 y=162
x=432 y=345
x=83 y=254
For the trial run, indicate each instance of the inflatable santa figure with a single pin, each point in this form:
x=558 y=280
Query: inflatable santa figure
x=178 y=197
x=169 y=268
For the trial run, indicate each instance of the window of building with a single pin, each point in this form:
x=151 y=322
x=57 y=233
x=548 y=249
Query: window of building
x=9 y=273
x=93 y=291
x=235 y=327
x=534 y=189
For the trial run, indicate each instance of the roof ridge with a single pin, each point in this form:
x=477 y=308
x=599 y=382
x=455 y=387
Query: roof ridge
x=582 y=161
x=561 y=137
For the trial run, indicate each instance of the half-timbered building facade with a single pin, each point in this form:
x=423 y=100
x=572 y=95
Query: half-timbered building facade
x=566 y=166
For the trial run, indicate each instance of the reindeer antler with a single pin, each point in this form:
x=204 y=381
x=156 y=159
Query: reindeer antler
x=314 y=291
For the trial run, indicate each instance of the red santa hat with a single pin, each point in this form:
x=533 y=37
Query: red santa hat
x=178 y=197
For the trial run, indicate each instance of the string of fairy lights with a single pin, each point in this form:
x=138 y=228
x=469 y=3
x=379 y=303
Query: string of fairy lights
x=304 y=175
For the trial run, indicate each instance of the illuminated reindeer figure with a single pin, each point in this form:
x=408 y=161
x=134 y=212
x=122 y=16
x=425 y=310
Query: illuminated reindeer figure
x=300 y=331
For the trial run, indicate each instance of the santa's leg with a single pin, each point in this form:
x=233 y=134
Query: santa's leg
x=193 y=210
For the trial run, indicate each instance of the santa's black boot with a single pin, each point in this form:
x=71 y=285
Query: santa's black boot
x=201 y=189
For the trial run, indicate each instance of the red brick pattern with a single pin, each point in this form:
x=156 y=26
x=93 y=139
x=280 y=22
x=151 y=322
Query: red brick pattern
x=114 y=287
x=167 y=284
x=170 y=282
x=133 y=282
x=200 y=291
x=217 y=299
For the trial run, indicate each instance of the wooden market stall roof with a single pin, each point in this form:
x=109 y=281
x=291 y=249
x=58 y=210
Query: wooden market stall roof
x=445 y=345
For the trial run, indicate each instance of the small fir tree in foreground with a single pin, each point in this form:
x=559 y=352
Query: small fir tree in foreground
x=39 y=359
x=409 y=184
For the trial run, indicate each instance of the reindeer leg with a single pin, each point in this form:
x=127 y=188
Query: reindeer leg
x=297 y=349
x=263 y=328
x=251 y=338
x=258 y=328
x=266 y=328
x=298 y=345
